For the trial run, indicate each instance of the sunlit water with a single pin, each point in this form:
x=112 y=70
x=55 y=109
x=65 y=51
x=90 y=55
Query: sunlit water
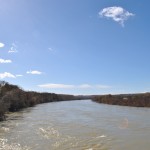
x=77 y=125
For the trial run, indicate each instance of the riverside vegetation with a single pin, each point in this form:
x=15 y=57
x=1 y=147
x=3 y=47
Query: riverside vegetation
x=13 y=98
x=136 y=100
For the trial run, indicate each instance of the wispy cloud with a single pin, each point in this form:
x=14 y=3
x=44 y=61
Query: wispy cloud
x=13 y=48
x=56 y=86
x=2 y=45
x=69 y=86
x=118 y=14
x=6 y=75
x=84 y=86
x=9 y=75
x=103 y=86
x=34 y=72
x=4 y=61
x=19 y=75
x=50 y=49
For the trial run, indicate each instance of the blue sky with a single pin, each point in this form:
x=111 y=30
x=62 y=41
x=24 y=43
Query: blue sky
x=76 y=46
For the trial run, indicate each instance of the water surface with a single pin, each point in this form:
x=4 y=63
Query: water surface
x=77 y=125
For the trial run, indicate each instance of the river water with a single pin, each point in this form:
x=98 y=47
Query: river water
x=76 y=125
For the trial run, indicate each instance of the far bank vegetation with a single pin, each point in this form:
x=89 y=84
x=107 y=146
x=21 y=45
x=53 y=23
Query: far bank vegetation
x=136 y=100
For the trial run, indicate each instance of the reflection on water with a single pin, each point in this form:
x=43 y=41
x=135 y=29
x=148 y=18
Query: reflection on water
x=76 y=125
x=14 y=146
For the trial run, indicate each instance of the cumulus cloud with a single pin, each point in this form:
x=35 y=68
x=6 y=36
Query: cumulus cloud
x=34 y=72
x=6 y=75
x=66 y=86
x=3 y=61
x=13 y=48
x=118 y=14
x=2 y=45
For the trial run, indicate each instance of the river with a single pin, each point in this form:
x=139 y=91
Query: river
x=76 y=125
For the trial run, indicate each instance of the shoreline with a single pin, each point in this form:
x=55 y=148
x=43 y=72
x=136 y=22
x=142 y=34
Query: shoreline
x=134 y=100
x=13 y=98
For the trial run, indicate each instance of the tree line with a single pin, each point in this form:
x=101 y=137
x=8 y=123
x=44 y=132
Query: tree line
x=13 y=98
x=136 y=100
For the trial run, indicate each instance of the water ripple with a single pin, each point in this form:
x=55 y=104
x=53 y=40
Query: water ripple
x=14 y=146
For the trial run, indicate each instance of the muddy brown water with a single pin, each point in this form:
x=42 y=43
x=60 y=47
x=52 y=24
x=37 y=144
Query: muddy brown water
x=76 y=125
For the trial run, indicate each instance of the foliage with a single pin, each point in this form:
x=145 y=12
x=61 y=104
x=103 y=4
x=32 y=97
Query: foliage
x=13 y=98
x=137 y=100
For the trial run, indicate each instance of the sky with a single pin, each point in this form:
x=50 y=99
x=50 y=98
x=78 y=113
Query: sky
x=79 y=47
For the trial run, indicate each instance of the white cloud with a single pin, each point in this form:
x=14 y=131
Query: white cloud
x=118 y=14
x=66 y=86
x=6 y=75
x=13 y=48
x=84 y=86
x=50 y=49
x=103 y=86
x=9 y=75
x=34 y=72
x=19 y=75
x=2 y=61
x=2 y=45
x=56 y=86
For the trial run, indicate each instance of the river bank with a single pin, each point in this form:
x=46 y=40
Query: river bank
x=13 y=98
x=135 y=100
x=76 y=125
